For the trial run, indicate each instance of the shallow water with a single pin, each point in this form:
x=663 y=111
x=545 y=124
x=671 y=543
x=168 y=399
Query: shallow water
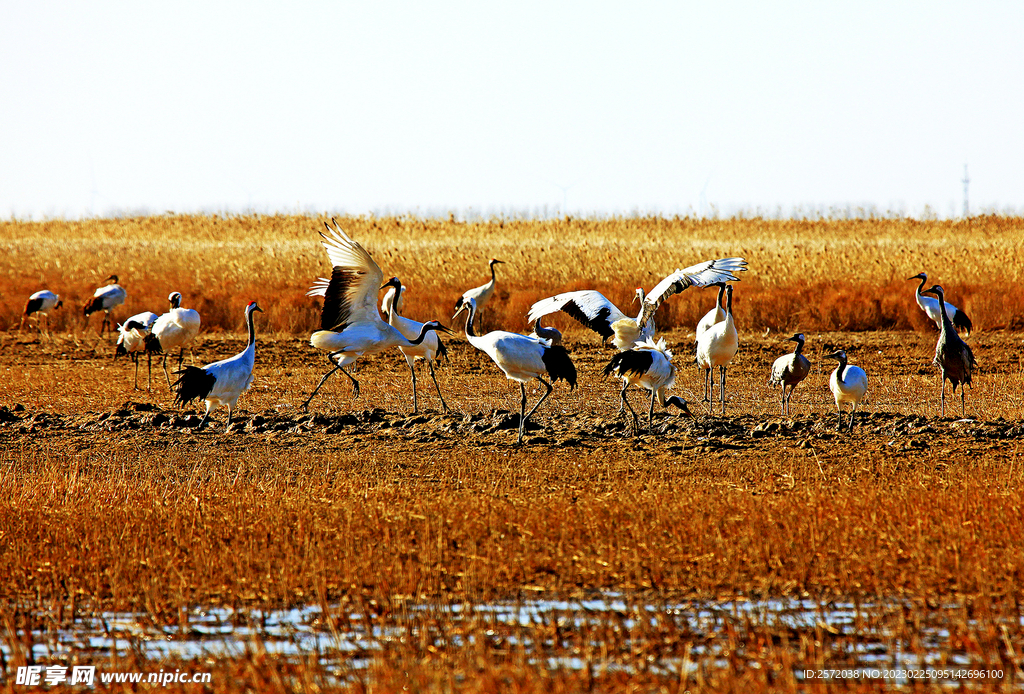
x=867 y=640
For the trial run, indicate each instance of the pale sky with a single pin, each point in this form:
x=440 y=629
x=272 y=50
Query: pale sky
x=509 y=108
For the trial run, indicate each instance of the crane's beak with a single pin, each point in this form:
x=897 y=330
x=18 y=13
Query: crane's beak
x=445 y=329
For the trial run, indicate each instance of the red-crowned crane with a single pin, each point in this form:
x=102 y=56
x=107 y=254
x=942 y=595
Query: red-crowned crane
x=131 y=340
x=521 y=358
x=789 y=369
x=930 y=306
x=715 y=348
x=222 y=382
x=429 y=350
x=105 y=299
x=42 y=302
x=481 y=294
x=175 y=329
x=953 y=356
x=848 y=384
x=596 y=312
x=350 y=325
x=648 y=365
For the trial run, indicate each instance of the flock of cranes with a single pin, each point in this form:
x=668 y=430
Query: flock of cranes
x=351 y=326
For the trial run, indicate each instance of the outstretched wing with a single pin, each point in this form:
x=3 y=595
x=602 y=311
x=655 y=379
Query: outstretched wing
x=589 y=307
x=350 y=295
x=701 y=275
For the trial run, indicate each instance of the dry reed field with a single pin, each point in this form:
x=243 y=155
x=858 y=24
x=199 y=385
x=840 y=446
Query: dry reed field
x=359 y=547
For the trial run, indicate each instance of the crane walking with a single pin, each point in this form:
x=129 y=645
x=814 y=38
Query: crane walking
x=430 y=350
x=175 y=329
x=789 y=370
x=105 y=299
x=522 y=359
x=42 y=302
x=222 y=382
x=648 y=365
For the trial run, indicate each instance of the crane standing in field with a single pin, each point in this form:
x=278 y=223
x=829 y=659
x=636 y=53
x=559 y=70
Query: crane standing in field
x=930 y=306
x=350 y=324
x=175 y=329
x=222 y=382
x=953 y=356
x=105 y=299
x=848 y=384
x=42 y=302
x=789 y=370
x=429 y=350
x=593 y=310
x=481 y=294
x=131 y=340
x=522 y=359
x=648 y=365
x=716 y=348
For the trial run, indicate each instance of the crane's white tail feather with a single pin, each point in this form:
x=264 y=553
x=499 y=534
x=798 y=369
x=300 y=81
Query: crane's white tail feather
x=193 y=382
x=701 y=275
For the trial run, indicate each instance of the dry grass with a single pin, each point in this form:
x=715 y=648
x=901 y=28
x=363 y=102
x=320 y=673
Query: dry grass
x=807 y=275
x=915 y=518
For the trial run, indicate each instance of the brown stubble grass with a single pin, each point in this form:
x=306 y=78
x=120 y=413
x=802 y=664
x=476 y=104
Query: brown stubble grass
x=806 y=275
x=368 y=520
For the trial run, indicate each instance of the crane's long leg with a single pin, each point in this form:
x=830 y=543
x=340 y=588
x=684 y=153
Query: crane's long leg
x=202 y=422
x=942 y=396
x=542 y=398
x=625 y=401
x=650 y=413
x=412 y=370
x=149 y=355
x=337 y=367
x=721 y=389
x=709 y=389
x=135 y=358
x=230 y=410
x=167 y=375
x=430 y=365
x=181 y=357
x=522 y=411
x=853 y=413
x=963 y=407
x=839 y=410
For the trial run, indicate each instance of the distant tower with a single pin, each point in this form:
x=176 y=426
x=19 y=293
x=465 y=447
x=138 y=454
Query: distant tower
x=967 y=207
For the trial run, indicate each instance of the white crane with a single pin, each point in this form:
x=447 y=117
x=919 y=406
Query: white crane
x=105 y=299
x=521 y=358
x=930 y=306
x=953 y=356
x=175 y=329
x=716 y=348
x=648 y=365
x=789 y=369
x=131 y=340
x=715 y=315
x=350 y=325
x=222 y=382
x=848 y=384
x=596 y=312
x=42 y=302
x=481 y=294
x=429 y=350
